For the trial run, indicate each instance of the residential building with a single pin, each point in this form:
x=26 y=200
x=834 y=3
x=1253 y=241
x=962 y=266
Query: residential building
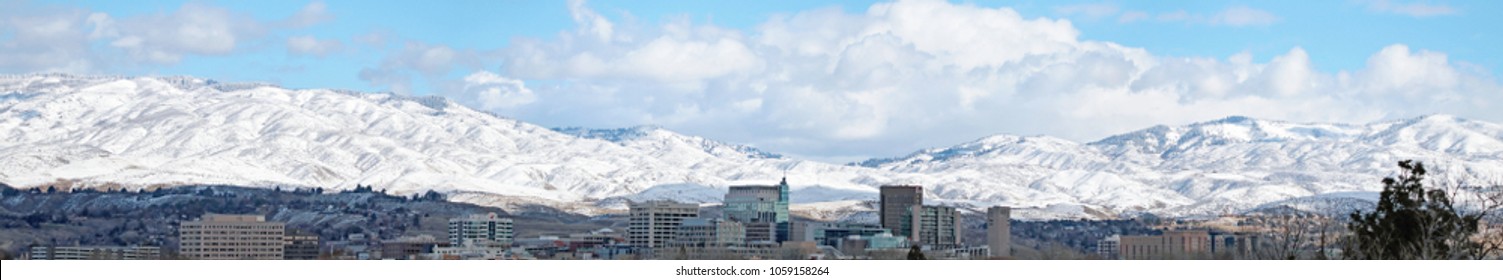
x=710 y=233
x=999 y=231
x=300 y=245
x=231 y=237
x=483 y=229
x=934 y=226
x=654 y=224
x=1174 y=244
x=895 y=202
x=95 y=253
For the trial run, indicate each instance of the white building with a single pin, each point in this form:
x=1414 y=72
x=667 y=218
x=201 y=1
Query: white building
x=655 y=224
x=481 y=229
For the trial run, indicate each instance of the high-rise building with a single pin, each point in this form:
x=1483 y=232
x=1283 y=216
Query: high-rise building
x=710 y=233
x=934 y=225
x=894 y=205
x=999 y=231
x=480 y=230
x=299 y=245
x=654 y=224
x=231 y=237
x=756 y=207
x=783 y=222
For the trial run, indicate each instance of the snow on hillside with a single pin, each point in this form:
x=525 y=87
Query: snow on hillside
x=73 y=131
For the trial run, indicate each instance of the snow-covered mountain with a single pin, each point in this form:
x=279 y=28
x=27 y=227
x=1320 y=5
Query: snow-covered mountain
x=1222 y=166
x=142 y=132
x=65 y=131
x=656 y=139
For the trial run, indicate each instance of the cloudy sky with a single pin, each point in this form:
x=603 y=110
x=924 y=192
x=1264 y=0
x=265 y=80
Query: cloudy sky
x=833 y=81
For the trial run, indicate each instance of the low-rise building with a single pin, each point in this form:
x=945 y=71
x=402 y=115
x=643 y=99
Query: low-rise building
x=832 y=234
x=95 y=253
x=710 y=233
x=409 y=247
x=300 y=245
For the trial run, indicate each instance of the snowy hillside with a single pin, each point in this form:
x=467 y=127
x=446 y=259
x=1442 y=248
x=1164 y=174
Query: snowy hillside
x=1223 y=166
x=143 y=132
x=69 y=131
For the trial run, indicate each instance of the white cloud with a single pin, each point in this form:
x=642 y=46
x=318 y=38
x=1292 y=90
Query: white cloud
x=193 y=29
x=308 y=45
x=497 y=93
x=1091 y=10
x=914 y=74
x=429 y=61
x=590 y=22
x=314 y=13
x=1244 y=16
x=75 y=40
x=1235 y=16
x=1133 y=16
x=1409 y=9
x=48 y=38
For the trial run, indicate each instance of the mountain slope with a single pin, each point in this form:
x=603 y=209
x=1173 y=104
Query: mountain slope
x=1222 y=166
x=143 y=132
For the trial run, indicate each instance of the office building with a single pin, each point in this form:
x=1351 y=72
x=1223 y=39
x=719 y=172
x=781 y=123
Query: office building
x=710 y=233
x=894 y=204
x=755 y=207
x=300 y=245
x=654 y=224
x=999 y=231
x=1174 y=244
x=934 y=226
x=760 y=204
x=95 y=253
x=480 y=229
x=231 y=237
x=784 y=222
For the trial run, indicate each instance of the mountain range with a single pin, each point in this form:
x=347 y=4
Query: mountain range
x=150 y=132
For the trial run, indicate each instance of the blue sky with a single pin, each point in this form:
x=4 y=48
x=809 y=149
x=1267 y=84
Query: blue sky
x=827 y=80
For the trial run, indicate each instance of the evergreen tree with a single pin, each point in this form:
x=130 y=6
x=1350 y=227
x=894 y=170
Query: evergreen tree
x=1411 y=222
x=914 y=253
